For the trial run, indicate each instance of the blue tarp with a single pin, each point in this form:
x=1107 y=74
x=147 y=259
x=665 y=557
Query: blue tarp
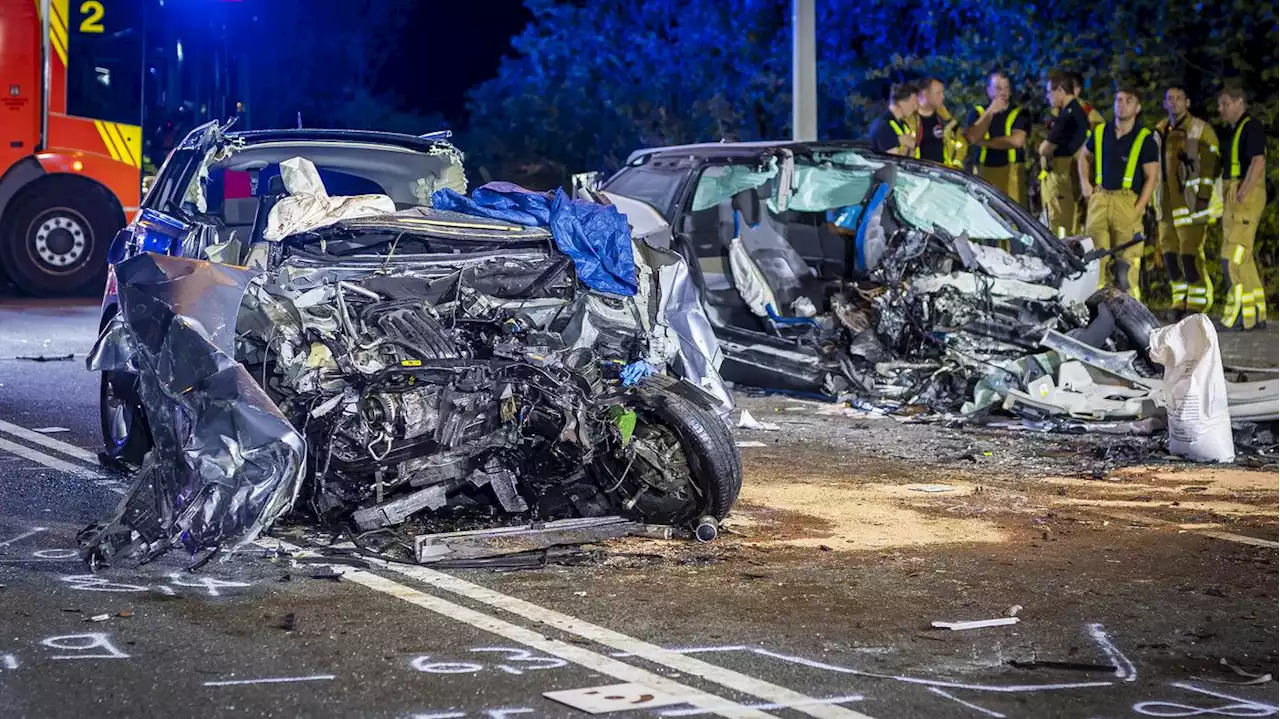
x=596 y=237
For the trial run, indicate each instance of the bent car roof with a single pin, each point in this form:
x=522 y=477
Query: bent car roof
x=409 y=142
x=729 y=149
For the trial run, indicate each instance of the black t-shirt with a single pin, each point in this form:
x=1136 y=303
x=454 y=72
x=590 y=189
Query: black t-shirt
x=883 y=135
x=1252 y=143
x=1115 y=157
x=1069 y=130
x=999 y=123
x=930 y=139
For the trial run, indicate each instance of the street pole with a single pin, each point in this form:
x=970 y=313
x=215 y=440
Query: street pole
x=804 y=72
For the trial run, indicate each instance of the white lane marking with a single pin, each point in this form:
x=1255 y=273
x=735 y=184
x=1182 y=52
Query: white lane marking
x=48 y=461
x=958 y=700
x=270 y=680
x=811 y=702
x=70 y=450
x=578 y=655
x=1242 y=539
x=737 y=681
x=34 y=531
x=1124 y=668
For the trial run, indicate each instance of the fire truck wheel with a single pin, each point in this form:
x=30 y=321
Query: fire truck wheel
x=55 y=237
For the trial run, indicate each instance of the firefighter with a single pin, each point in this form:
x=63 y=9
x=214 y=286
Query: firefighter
x=1077 y=88
x=1119 y=167
x=1058 y=177
x=1243 y=166
x=999 y=132
x=931 y=122
x=1189 y=166
x=891 y=131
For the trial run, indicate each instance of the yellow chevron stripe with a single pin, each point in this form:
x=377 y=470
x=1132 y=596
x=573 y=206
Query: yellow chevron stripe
x=130 y=143
x=107 y=139
x=58 y=29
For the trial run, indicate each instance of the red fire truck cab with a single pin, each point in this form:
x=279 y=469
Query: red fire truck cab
x=70 y=138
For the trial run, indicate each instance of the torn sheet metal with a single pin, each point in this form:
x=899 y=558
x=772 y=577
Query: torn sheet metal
x=226 y=463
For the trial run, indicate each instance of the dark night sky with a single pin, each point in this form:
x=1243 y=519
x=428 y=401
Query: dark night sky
x=448 y=46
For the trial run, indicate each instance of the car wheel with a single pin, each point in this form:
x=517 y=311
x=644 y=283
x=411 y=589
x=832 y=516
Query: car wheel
x=702 y=474
x=125 y=435
x=56 y=236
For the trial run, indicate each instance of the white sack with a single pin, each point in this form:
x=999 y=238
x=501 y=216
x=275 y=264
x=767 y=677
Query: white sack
x=1194 y=391
x=308 y=206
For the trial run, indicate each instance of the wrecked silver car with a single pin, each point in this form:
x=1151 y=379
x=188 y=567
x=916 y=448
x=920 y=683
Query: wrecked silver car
x=379 y=359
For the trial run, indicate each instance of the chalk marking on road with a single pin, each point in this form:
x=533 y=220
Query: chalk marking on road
x=796 y=705
x=837 y=668
x=31 y=533
x=592 y=660
x=1174 y=709
x=93 y=640
x=675 y=661
x=51 y=462
x=1124 y=668
x=48 y=442
x=270 y=680
x=972 y=706
x=578 y=655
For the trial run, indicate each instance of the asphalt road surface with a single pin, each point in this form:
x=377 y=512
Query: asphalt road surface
x=1152 y=596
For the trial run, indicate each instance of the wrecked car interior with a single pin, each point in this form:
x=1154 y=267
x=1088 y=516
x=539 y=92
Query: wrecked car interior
x=374 y=364
x=906 y=288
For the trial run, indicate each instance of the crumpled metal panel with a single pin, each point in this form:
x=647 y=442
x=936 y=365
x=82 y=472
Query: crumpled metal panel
x=680 y=308
x=226 y=463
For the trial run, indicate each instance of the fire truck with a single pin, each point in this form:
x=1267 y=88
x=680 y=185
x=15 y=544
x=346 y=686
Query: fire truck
x=70 y=137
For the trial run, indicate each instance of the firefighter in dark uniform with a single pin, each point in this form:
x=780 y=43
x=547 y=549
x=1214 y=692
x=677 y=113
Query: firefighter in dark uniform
x=999 y=134
x=891 y=131
x=1058 y=178
x=1119 y=167
x=1244 y=199
x=931 y=122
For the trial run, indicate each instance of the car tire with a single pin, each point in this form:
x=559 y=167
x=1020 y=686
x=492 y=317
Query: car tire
x=55 y=237
x=126 y=438
x=1134 y=324
x=714 y=462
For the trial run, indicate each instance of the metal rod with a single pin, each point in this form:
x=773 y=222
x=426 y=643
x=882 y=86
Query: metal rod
x=804 y=73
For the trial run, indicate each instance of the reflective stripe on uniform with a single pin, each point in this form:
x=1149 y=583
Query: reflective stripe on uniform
x=1097 y=154
x=1134 y=153
x=1235 y=149
x=1231 y=312
x=1008 y=130
x=1238 y=256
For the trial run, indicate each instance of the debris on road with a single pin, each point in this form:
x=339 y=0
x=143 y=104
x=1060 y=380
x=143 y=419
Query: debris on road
x=1013 y=610
x=750 y=444
x=46 y=358
x=976 y=624
x=1067 y=666
x=368 y=387
x=748 y=421
x=98 y=618
x=50 y=430
x=486 y=543
x=613 y=698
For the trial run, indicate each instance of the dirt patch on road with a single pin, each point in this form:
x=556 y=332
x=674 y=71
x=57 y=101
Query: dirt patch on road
x=806 y=502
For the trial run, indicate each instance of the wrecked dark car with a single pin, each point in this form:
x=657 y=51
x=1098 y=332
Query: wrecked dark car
x=825 y=267
x=367 y=358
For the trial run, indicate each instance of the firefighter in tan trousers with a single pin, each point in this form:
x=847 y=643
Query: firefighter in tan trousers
x=1244 y=198
x=1058 y=177
x=1189 y=166
x=1119 y=168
